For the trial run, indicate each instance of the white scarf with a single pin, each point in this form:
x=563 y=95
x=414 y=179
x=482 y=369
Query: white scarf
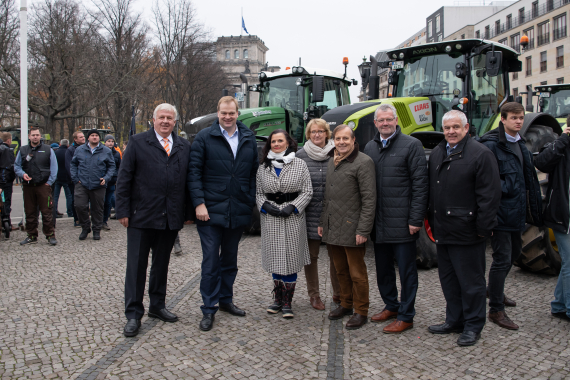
x=279 y=159
x=317 y=153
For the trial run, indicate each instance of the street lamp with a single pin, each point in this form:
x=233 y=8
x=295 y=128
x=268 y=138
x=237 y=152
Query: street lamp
x=364 y=69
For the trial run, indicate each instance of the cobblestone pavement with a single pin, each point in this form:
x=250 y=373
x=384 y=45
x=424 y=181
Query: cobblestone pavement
x=61 y=315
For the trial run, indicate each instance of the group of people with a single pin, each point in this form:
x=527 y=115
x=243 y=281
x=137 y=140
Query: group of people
x=87 y=172
x=332 y=192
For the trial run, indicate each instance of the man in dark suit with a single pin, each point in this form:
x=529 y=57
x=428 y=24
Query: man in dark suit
x=150 y=192
x=223 y=166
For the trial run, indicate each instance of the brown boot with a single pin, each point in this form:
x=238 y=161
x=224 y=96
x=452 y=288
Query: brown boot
x=316 y=303
x=340 y=312
x=384 y=316
x=397 y=327
x=500 y=318
x=356 y=322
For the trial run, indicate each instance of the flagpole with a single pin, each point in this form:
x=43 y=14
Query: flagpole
x=23 y=73
x=241 y=23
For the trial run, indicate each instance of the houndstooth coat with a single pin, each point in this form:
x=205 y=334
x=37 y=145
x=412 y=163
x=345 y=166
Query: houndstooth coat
x=284 y=248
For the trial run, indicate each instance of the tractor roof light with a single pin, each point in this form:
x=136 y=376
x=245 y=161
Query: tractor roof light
x=448 y=49
x=458 y=46
x=345 y=61
x=351 y=124
x=401 y=55
x=549 y=88
x=394 y=56
x=463 y=101
x=524 y=41
x=262 y=75
x=299 y=82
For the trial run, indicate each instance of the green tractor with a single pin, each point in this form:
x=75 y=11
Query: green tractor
x=554 y=99
x=469 y=75
x=288 y=100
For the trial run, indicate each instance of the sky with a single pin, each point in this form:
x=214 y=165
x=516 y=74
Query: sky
x=320 y=32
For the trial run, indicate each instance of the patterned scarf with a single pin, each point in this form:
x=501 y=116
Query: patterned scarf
x=339 y=157
x=280 y=159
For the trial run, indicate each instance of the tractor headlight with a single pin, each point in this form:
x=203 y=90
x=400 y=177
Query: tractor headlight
x=262 y=75
x=394 y=56
x=458 y=46
x=448 y=49
x=299 y=82
x=351 y=124
x=401 y=55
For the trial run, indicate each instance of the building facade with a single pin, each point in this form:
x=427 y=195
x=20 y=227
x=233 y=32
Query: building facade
x=243 y=55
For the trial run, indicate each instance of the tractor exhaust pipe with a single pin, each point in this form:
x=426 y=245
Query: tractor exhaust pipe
x=374 y=81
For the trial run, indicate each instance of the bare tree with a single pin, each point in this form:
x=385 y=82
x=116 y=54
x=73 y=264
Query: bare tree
x=9 y=58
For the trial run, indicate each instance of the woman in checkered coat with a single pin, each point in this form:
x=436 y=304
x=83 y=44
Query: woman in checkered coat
x=283 y=191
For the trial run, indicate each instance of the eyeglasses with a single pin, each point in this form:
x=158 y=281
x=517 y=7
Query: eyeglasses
x=317 y=132
x=381 y=121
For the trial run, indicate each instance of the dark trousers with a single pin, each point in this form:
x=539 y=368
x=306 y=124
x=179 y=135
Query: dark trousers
x=68 y=198
x=462 y=276
x=7 y=191
x=38 y=198
x=108 y=202
x=72 y=189
x=507 y=247
x=139 y=243
x=219 y=265
x=83 y=198
x=405 y=256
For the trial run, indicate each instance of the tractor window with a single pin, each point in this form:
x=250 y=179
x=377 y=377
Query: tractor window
x=335 y=95
x=558 y=104
x=431 y=76
x=486 y=95
x=283 y=92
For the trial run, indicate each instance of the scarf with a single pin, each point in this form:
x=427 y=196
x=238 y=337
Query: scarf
x=339 y=157
x=317 y=153
x=280 y=159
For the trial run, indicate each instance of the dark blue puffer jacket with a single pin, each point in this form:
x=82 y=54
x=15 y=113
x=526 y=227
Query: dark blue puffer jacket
x=89 y=167
x=226 y=185
x=521 y=200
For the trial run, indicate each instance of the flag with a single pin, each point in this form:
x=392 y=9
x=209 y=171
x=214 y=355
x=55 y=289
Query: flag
x=243 y=25
x=133 y=124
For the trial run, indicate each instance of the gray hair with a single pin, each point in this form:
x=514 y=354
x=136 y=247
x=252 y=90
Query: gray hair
x=64 y=142
x=385 y=107
x=454 y=114
x=165 y=107
x=340 y=128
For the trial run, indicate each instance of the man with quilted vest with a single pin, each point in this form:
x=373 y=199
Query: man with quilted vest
x=521 y=203
x=346 y=221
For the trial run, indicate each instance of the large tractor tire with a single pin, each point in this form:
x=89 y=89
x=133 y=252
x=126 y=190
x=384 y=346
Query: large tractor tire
x=537 y=136
x=538 y=253
x=426 y=248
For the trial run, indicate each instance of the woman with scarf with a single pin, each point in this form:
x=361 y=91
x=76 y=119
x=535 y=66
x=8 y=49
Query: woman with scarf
x=283 y=191
x=315 y=153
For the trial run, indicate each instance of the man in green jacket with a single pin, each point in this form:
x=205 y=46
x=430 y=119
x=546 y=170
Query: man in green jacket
x=346 y=221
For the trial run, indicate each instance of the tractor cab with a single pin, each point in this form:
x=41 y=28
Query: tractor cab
x=554 y=99
x=469 y=75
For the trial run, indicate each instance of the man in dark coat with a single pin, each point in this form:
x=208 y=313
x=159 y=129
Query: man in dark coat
x=78 y=140
x=521 y=202
x=464 y=195
x=555 y=160
x=223 y=167
x=63 y=180
x=151 y=195
x=92 y=167
x=7 y=173
x=402 y=196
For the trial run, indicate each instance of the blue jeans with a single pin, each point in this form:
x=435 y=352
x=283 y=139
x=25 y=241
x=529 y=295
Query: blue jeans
x=219 y=265
x=109 y=195
x=68 y=196
x=561 y=303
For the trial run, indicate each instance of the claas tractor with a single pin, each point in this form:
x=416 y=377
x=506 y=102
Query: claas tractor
x=472 y=76
x=554 y=99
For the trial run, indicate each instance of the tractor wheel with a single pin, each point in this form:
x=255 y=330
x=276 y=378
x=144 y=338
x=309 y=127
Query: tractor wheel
x=426 y=248
x=537 y=136
x=538 y=254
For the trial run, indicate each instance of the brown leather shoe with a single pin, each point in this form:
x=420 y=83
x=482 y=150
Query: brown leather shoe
x=340 y=312
x=336 y=299
x=384 y=316
x=397 y=327
x=316 y=303
x=500 y=318
x=356 y=322
x=509 y=302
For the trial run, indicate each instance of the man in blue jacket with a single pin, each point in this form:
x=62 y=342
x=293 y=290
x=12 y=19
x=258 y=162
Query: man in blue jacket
x=221 y=179
x=92 y=167
x=521 y=203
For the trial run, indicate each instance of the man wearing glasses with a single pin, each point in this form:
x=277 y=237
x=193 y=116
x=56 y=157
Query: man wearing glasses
x=402 y=196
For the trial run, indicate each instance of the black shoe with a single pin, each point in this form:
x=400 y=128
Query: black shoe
x=232 y=309
x=29 y=240
x=96 y=235
x=132 y=327
x=51 y=240
x=207 y=322
x=468 y=338
x=444 y=328
x=114 y=216
x=561 y=315
x=163 y=315
x=177 y=249
x=84 y=233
